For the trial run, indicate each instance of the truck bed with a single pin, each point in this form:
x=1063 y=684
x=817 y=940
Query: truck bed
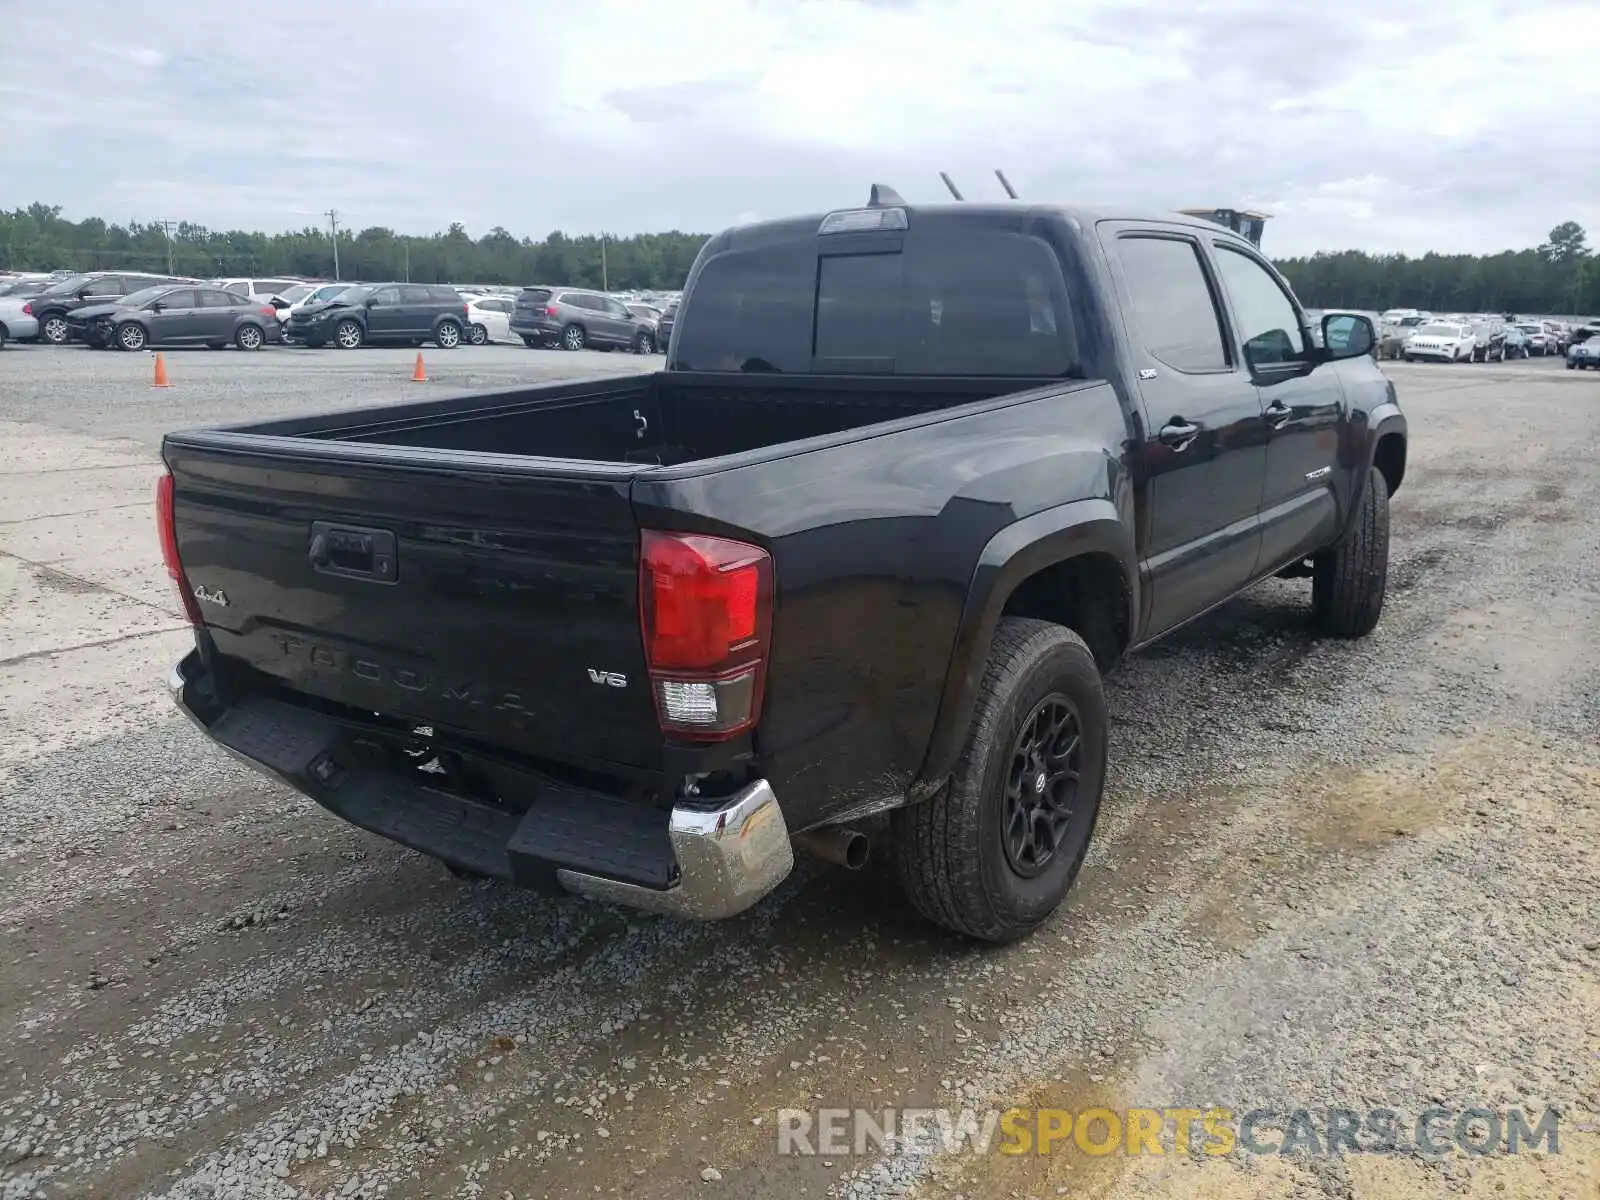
x=659 y=419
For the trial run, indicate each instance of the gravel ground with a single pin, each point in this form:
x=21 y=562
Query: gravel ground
x=1327 y=874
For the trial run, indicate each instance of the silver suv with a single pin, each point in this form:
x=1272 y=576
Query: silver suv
x=573 y=318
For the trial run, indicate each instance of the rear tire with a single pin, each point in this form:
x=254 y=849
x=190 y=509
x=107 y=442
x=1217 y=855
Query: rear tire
x=643 y=344
x=53 y=329
x=957 y=855
x=532 y=343
x=1350 y=578
x=249 y=337
x=480 y=335
x=447 y=336
x=574 y=338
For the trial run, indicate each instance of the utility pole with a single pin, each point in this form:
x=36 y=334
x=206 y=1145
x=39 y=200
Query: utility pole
x=166 y=228
x=333 y=223
x=408 y=262
x=605 y=284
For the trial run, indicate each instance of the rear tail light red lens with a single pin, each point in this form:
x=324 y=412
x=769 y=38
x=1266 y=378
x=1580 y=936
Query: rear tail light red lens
x=167 y=528
x=705 y=604
x=27 y=309
x=552 y=311
x=269 y=311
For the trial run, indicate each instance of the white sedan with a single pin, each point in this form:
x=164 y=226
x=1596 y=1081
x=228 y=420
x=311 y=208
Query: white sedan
x=489 y=320
x=1441 y=342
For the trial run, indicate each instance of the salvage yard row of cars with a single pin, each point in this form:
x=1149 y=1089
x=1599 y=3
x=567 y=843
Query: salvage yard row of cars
x=132 y=310
x=1415 y=336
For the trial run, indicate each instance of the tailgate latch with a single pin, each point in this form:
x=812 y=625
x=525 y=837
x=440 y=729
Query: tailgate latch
x=354 y=552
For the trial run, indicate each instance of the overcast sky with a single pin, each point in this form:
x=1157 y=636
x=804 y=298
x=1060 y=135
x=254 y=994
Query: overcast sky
x=1386 y=126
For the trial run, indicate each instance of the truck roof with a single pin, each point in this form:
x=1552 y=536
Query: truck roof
x=999 y=216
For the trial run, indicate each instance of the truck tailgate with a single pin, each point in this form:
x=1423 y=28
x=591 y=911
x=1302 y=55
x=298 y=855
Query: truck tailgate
x=488 y=597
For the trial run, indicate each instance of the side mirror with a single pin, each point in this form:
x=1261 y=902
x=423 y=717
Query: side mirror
x=371 y=302
x=83 y=293
x=1345 y=335
x=157 y=305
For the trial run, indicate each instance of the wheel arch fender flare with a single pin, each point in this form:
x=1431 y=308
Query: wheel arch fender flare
x=1385 y=447
x=1014 y=554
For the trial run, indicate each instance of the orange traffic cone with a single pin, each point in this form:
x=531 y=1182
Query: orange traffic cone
x=420 y=374
x=161 y=372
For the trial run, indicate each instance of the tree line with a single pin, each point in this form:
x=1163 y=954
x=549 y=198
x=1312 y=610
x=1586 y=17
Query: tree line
x=1560 y=276
x=38 y=238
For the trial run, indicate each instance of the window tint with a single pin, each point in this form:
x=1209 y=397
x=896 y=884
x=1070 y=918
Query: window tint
x=219 y=299
x=534 y=296
x=181 y=298
x=1174 y=316
x=580 y=300
x=1269 y=327
x=988 y=304
x=413 y=293
x=388 y=295
x=239 y=287
x=445 y=295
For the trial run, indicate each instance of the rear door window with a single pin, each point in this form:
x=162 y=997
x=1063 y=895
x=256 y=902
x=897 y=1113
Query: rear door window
x=1174 y=313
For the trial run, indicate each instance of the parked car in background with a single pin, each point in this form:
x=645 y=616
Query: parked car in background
x=1538 y=337
x=649 y=315
x=1394 y=333
x=383 y=312
x=1440 y=342
x=1583 y=355
x=52 y=306
x=24 y=285
x=294 y=299
x=1559 y=334
x=185 y=315
x=17 y=322
x=488 y=319
x=1489 y=340
x=664 y=327
x=574 y=318
x=1515 y=343
x=258 y=289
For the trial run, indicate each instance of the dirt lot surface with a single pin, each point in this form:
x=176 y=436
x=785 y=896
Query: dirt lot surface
x=1328 y=875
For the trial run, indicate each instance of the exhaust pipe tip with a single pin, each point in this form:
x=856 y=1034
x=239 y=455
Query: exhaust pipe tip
x=848 y=848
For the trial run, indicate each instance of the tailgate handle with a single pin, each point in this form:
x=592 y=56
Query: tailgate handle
x=353 y=552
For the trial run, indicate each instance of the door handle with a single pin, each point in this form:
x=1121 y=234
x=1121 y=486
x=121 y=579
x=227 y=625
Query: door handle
x=1278 y=414
x=1178 y=433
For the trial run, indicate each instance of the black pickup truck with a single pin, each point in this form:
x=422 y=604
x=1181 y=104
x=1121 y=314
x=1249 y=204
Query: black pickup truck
x=913 y=478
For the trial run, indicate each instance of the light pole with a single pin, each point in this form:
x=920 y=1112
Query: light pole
x=605 y=284
x=333 y=222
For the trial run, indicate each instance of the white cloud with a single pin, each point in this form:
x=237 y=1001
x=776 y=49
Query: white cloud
x=1455 y=128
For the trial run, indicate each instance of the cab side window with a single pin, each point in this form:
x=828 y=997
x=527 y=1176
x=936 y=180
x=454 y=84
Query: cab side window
x=1269 y=324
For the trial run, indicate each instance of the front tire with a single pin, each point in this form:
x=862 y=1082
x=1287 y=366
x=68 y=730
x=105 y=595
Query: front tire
x=349 y=335
x=1350 y=578
x=130 y=335
x=447 y=336
x=480 y=335
x=993 y=854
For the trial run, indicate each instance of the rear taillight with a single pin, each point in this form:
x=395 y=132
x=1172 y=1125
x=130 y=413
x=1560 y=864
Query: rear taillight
x=705 y=604
x=168 y=530
x=27 y=310
x=269 y=311
x=552 y=311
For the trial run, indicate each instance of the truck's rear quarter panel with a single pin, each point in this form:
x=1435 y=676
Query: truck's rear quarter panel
x=874 y=543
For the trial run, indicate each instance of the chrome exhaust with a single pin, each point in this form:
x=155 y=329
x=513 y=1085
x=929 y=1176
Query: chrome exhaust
x=846 y=847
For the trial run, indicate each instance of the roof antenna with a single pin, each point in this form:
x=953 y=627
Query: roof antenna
x=883 y=196
x=944 y=176
x=1005 y=183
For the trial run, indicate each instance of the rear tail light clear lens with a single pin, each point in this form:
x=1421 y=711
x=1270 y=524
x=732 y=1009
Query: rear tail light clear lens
x=705 y=604
x=167 y=529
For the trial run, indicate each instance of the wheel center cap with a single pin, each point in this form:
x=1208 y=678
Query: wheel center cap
x=1038 y=782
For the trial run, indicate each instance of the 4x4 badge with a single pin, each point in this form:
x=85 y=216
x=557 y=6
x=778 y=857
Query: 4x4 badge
x=217 y=597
